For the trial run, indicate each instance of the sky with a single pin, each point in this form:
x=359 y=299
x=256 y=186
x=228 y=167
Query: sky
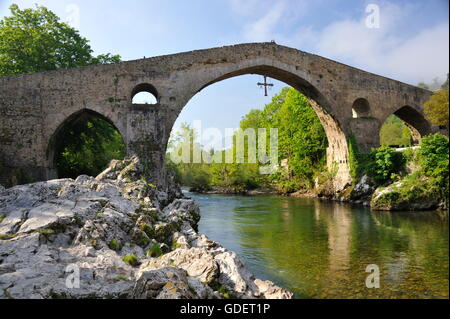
x=409 y=42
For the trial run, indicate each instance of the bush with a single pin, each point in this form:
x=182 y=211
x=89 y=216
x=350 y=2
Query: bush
x=434 y=159
x=385 y=164
x=433 y=155
x=200 y=182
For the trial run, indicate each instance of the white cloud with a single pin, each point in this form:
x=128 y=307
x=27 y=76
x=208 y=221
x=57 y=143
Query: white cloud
x=423 y=57
x=390 y=50
x=263 y=28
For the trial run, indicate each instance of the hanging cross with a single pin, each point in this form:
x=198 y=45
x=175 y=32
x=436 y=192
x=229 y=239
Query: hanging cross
x=265 y=84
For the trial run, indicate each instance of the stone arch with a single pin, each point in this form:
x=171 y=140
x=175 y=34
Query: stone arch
x=55 y=142
x=337 y=152
x=146 y=88
x=360 y=108
x=415 y=121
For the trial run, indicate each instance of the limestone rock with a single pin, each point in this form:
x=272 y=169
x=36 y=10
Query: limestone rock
x=197 y=262
x=51 y=231
x=391 y=198
x=363 y=189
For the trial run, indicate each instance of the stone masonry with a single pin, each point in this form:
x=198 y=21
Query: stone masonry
x=35 y=107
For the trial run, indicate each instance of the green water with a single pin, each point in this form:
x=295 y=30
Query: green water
x=320 y=249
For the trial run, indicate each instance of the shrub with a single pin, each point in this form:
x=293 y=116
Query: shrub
x=433 y=155
x=434 y=159
x=200 y=182
x=385 y=164
x=132 y=260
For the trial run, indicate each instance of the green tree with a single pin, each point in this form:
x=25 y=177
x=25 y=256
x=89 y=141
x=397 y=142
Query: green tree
x=395 y=132
x=35 y=40
x=89 y=145
x=434 y=160
x=385 y=164
x=436 y=108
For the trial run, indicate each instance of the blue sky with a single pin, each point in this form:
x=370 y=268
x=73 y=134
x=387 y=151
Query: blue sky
x=411 y=44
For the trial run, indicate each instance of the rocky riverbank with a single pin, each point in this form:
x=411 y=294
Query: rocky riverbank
x=120 y=236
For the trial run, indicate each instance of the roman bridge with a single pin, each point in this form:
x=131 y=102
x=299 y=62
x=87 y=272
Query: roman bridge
x=35 y=107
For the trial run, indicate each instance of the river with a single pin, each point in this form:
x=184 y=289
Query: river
x=320 y=249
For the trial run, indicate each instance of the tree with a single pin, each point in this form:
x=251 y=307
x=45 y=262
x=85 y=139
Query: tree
x=436 y=108
x=395 y=132
x=34 y=40
x=88 y=147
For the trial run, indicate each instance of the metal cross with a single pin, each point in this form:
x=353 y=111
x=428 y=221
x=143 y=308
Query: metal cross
x=265 y=84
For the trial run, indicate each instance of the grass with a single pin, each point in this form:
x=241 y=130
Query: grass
x=216 y=286
x=132 y=260
x=154 y=251
x=146 y=228
x=142 y=241
x=175 y=245
x=2 y=217
x=7 y=236
x=115 y=245
x=122 y=278
x=46 y=232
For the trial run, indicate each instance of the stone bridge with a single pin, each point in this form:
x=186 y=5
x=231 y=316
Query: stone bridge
x=35 y=107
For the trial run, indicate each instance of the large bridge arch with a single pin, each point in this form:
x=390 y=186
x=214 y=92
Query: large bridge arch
x=337 y=152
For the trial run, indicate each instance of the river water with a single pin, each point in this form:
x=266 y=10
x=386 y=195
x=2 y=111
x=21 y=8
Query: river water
x=320 y=249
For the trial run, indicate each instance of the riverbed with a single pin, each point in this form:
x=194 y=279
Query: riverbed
x=321 y=249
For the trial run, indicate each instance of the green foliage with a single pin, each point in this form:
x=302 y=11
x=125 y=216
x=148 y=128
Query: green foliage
x=2 y=217
x=436 y=108
x=88 y=146
x=216 y=286
x=175 y=245
x=358 y=162
x=132 y=260
x=154 y=251
x=147 y=229
x=200 y=181
x=142 y=241
x=46 y=232
x=386 y=164
x=301 y=142
x=394 y=132
x=434 y=160
x=122 y=278
x=115 y=245
x=413 y=188
x=35 y=40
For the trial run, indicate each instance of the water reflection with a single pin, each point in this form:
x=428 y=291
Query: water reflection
x=321 y=249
